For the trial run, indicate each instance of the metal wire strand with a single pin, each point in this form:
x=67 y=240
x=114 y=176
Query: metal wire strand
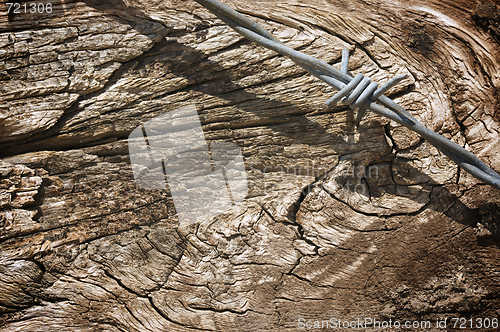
x=348 y=87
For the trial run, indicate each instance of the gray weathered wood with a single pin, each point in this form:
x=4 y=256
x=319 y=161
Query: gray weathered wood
x=83 y=248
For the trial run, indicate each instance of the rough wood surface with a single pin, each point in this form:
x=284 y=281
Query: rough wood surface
x=340 y=222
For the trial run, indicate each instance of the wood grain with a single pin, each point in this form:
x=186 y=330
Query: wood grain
x=340 y=221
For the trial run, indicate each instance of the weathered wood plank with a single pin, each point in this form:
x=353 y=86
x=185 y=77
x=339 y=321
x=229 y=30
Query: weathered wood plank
x=340 y=222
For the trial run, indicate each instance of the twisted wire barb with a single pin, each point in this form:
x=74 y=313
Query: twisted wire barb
x=358 y=92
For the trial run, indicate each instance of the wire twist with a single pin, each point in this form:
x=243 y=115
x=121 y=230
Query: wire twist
x=358 y=92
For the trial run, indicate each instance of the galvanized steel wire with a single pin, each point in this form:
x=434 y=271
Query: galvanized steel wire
x=358 y=92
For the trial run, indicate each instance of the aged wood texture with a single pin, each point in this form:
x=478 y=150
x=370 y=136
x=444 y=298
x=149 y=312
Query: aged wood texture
x=340 y=222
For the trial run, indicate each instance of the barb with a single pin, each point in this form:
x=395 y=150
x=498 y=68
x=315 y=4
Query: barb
x=359 y=92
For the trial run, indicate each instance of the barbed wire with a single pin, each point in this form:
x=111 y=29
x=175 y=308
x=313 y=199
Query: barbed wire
x=358 y=92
